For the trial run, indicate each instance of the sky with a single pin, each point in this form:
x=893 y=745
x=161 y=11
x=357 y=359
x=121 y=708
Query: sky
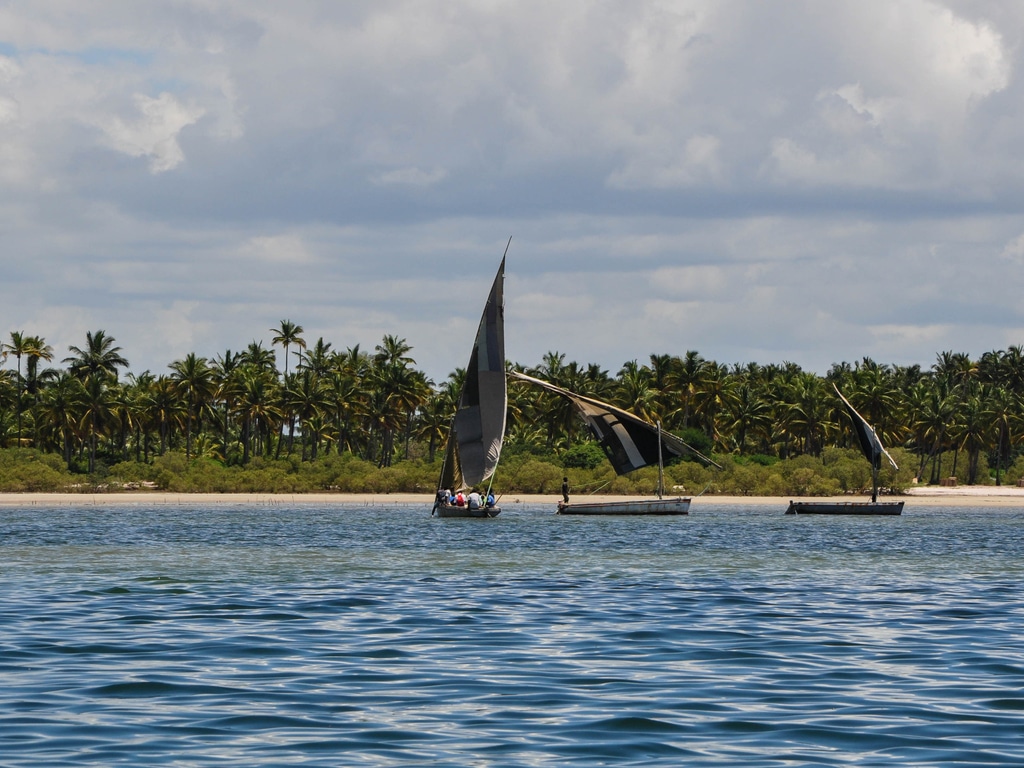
x=802 y=181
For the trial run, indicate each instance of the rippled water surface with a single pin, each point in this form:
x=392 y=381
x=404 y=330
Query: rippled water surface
x=334 y=636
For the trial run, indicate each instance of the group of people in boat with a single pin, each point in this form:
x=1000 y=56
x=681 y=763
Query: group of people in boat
x=473 y=500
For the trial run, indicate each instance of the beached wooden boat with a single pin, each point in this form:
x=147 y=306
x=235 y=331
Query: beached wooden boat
x=676 y=506
x=630 y=443
x=873 y=451
x=478 y=427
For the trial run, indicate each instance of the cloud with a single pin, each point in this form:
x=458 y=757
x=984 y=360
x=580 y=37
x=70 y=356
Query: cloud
x=698 y=162
x=154 y=133
x=673 y=176
x=413 y=177
x=1014 y=250
x=922 y=73
x=276 y=249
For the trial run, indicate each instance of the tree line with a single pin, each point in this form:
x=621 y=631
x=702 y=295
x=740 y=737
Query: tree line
x=959 y=417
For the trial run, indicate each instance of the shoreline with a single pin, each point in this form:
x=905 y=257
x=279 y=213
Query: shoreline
x=980 y=496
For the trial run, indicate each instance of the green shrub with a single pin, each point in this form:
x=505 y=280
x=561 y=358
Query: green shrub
x=744 y=482
x=538 y=477
x=583 y=456
x=772 y=485
x=26 y=470
x=760 y=459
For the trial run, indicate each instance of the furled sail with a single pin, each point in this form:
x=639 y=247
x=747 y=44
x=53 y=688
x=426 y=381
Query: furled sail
x=628 y=441
x=478 y=429
x=870 y=445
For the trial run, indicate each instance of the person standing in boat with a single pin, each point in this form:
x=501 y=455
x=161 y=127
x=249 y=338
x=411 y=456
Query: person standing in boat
x=565 y=490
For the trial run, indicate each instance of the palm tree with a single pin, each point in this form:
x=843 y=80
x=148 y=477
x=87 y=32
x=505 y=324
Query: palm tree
x=551 y=367
x=61 y=406
x=348 y=403
x=809 y=411
x=713 y=396
x=350 y=389
x=288 y=334
x=392 y=351
x=396 y=391
x=258 y=357
x=955 y=368
x=258 y=404
x=140 y=397
x=354 y=362
x=972 y=431
x=18 y=346
x=96 y=413
x=36 y=349
x=8 y=398
x=434 y=418
x=1003 y=409
x=122 y=412
x=165 y=409
x=99 y=357
x=685 y=377
x=414 y=395
x=307 y=396
x=557 y=414
x=749 y=414
x=634 y=391
x=193 y=378
x=934 y=414
x=225 y=380
x=318 y=358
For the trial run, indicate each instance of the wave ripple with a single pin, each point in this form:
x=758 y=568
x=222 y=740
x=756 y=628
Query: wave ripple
x=327 y=637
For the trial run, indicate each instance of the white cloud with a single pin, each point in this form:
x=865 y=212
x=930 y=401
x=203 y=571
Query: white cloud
x=154 y=133
x=1014 y=250
x=673 y=177
x=276 y=249
x=904 y=336
x=9 y=69
x=698 y=163
x=695 y=281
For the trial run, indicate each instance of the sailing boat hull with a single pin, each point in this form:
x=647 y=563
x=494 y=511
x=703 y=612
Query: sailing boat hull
x=676 y=506
x=845 y=508
x=449 y=510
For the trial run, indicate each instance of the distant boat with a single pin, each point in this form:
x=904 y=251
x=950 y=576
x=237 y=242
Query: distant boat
x=630 y=443
x=873 y=451
x=478 y=427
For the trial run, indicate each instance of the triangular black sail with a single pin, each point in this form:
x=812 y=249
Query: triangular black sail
x=870 y=445
x=628 y=441
x=478 y=429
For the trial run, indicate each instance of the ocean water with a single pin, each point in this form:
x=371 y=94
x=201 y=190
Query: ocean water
x=315 y=635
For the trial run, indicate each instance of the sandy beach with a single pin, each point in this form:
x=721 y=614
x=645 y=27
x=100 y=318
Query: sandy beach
x=977 y=496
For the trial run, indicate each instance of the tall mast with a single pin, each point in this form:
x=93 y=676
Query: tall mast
x=661 y=466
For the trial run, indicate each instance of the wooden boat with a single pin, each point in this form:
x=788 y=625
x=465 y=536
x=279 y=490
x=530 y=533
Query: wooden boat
x=845 y=508
x=478 y=427
x=630 y=443
x=873 y=451
x=659 y=506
